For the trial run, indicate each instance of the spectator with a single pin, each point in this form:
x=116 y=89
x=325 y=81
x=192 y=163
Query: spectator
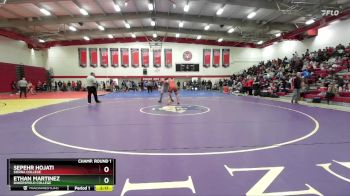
x=31 y=88
x=296 y=87
x=331 y=92
x=14 y=87
x=149 y=86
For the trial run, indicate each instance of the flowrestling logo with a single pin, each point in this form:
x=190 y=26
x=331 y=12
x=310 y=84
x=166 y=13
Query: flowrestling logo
x=330 y=12
x=174 y=110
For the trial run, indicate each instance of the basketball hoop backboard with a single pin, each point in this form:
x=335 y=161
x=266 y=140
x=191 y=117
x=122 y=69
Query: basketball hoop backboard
x=155 y=43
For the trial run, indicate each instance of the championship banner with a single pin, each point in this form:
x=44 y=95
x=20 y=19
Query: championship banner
x=114 y=57
x=93 y=57
x=225 y=58
x=145 y=57
x=82 y=57
x=104 y=57
x=168 y=58
x=157 y=58
x=135 y=57
x=216 y=58
x=206 y=57
x=124 y=53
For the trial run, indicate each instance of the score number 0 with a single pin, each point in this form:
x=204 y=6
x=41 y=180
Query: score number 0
x=106 y=179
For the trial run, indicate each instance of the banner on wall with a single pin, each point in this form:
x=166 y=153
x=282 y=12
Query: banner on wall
x=225 y=58
x=124 y=53
x=104 y=57
x=157 y=58
x=216 y=58
x=93 y=57
x=145 y=57
x=206 y=57
x=114 y=57
x=168 y=58
x=135 y=57
x=82 y=57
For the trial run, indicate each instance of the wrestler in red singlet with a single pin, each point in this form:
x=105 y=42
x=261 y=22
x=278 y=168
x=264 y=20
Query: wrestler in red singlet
x=173 y=88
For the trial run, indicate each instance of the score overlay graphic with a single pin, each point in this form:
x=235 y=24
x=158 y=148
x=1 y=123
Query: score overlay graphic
x=85 y=174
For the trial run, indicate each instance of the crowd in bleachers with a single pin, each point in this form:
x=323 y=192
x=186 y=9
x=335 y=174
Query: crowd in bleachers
x=32 y=88
x=275 y=77
x=272 y=78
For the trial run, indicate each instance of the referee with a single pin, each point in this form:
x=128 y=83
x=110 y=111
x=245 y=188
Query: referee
x=22 y=84
x=91 y=85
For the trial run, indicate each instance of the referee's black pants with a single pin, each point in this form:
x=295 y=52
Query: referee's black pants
x=92 y=90
x=23 y=90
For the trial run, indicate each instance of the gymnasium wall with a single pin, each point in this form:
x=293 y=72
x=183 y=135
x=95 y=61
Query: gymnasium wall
x=7 y=76
x=331 y=35
x=17 y=52
x=64 y=61
x=13 y=53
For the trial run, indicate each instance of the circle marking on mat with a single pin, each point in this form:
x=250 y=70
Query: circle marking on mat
x=175 y=110
x=314 y=131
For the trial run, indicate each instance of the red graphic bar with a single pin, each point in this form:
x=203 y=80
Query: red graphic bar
x=206 y=57
x=93 y=57
x=135 y=57
x=104 y=57
x=125 y=56
x=168 y=58
x=114 y=57
x=225 y=58
x=82 y=57
x=216 y=58
x=156 y=58
x=145 y=57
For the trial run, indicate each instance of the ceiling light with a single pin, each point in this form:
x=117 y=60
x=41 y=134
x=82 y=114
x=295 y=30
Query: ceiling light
x=44 y=11
x=251 y=15
x=220 y=40
x=309 y=21
x=278 y=35
x=231 y=30
x=72 y=28
x=127 y=25
x=126 y=4
x=41 y=41
x=154 y=35
x=199 y=37
x=133 y=35
x=150 y=6
x=110 y=36
x=177 y=35
x=153 y=23
x=260 y=42
x=181 y=24
x=117 y=8
x=186 y=8
x=83 y=12
x=86 y=38
x=101 y=28
x=207 y=27
x=219 y=12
